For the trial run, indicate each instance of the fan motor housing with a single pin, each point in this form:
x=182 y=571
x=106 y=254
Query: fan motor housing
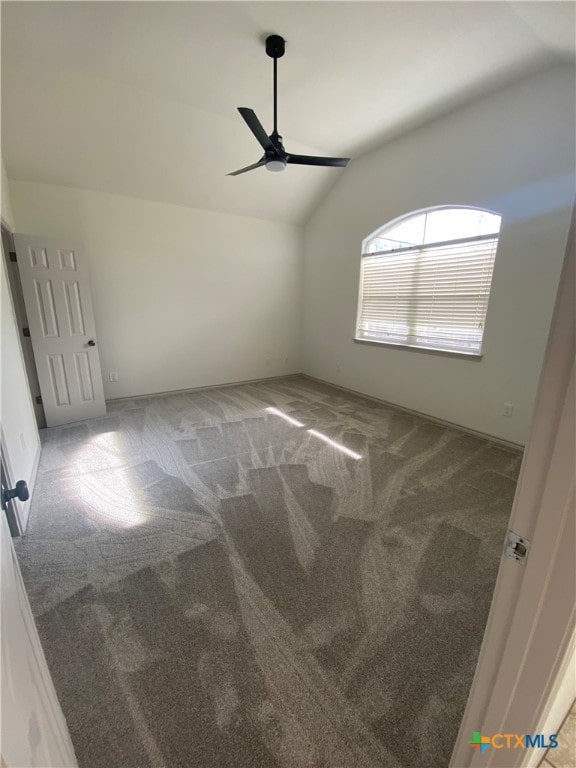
x=275 y=46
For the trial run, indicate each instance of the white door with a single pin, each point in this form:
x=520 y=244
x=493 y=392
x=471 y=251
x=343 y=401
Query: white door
x=33 y=730
x=56 y=290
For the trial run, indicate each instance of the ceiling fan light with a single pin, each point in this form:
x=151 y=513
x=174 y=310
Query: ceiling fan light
x=276 y=164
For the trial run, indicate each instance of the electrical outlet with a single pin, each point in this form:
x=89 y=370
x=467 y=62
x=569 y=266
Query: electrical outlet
x=113 y=375
x=508 y=409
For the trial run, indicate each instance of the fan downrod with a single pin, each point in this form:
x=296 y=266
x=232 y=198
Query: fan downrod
x=275 y=46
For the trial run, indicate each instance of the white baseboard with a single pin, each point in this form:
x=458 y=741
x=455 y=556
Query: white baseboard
x=200 y=389
x=443 y=422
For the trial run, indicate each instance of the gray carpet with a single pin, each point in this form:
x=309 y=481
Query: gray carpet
x=217 y=586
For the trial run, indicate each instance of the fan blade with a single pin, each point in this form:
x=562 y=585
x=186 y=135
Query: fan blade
x=256 y=127
x=248 y=168
x=335 y=162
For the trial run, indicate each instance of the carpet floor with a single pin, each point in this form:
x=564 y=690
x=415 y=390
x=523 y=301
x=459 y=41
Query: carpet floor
x=277 y=574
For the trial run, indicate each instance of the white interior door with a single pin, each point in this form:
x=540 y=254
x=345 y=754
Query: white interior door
x=34 y=733
x=56 y=290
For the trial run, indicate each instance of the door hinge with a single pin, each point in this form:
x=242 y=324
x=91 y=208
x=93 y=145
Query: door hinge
x=38 y=399
x=26 y=332
x=13 y=256
x=516 y=547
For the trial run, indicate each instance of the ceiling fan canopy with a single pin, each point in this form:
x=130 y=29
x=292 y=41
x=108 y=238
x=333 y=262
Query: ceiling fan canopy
x=275 y=157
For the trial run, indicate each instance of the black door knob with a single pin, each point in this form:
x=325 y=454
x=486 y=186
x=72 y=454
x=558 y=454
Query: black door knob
x=91 y=343
x=19 y=492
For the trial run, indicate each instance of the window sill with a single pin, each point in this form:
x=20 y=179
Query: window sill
x=475 y=356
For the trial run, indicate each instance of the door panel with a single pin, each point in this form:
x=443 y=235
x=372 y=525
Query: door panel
x=56 y=290
x=74 y=308
x=33 y=728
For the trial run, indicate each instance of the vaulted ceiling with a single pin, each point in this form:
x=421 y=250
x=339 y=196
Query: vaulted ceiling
x=139 y=98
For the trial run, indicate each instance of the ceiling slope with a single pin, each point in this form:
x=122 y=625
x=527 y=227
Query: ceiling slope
x=139 y=98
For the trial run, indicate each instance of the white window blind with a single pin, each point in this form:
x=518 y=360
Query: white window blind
x=432 y=295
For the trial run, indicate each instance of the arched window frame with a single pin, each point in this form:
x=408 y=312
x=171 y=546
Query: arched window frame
x=428 y=296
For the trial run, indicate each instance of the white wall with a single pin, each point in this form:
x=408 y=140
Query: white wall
x=182 y=298
x=20 y=439
x=511 y=152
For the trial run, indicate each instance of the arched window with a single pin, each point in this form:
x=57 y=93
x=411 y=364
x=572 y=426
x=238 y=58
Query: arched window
x=425 y=280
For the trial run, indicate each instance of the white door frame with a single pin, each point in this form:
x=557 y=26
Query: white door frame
x=11 y=510
x=528 y=646
x=19 y=312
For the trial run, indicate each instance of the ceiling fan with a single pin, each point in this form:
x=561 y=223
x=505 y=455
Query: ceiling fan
x=275 y=157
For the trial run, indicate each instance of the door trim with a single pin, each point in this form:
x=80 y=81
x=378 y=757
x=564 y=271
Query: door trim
x=21 y=319
x=11 y=510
